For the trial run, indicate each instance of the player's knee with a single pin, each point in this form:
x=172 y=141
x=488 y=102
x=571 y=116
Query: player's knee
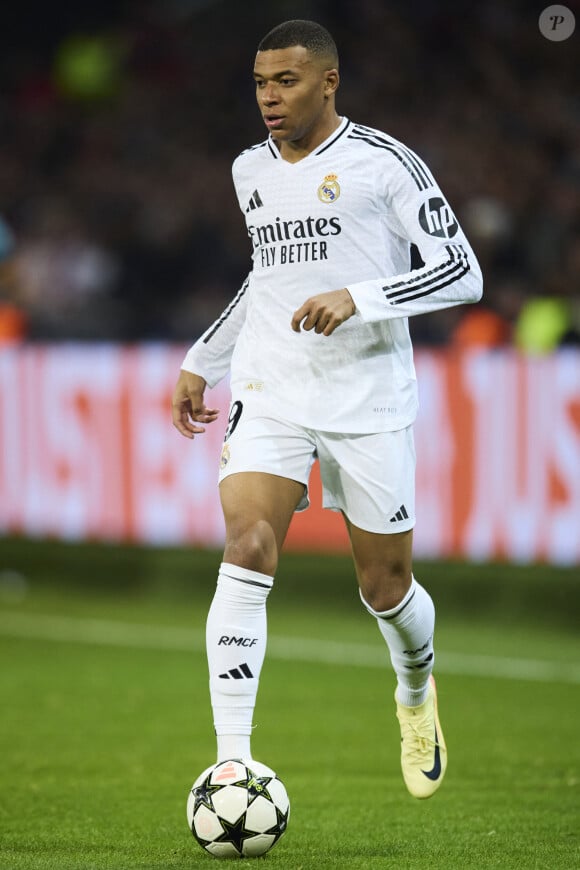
x=384 y=587
x=252 y=546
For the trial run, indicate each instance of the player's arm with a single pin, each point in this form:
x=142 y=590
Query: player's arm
x=205 y=364
x=450 y=275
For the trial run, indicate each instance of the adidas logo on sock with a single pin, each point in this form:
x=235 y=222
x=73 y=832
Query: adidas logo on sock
x=400 y=515
x=239 y=673
x=255 y=202
x=422 y=664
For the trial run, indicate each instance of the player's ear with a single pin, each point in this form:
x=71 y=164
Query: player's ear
x=331 y=81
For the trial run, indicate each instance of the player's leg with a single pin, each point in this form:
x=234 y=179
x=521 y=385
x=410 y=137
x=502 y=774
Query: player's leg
x=371 y=479
x=257 y=509
x=403 y=608
x=264 y=471
x=406 y=618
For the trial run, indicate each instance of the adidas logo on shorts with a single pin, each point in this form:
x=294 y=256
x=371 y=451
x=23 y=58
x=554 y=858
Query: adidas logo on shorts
x=400 y=515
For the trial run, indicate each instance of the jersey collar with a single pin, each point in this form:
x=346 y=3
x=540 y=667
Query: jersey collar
x=324 y=146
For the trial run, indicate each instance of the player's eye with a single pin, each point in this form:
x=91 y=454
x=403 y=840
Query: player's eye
x=287 y=82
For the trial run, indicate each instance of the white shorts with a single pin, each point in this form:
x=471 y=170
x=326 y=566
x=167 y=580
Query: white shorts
x=370 y=478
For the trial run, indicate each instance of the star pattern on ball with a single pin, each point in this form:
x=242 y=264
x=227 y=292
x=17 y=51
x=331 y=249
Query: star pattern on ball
x=203 y=795
x=235 y=833
x=281 y=824
x=256 y=786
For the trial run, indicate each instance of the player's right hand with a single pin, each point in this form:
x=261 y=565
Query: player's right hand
x=325 y=312
x=188 y=405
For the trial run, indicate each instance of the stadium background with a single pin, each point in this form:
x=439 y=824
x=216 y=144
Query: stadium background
x=119 y=122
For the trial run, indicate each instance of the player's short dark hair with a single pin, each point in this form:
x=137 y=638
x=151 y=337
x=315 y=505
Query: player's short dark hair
x=312 y=36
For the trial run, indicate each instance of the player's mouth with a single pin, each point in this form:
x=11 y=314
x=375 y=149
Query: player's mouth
x=273 y=122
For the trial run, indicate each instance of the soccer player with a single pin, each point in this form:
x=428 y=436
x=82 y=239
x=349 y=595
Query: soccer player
x=317 y=344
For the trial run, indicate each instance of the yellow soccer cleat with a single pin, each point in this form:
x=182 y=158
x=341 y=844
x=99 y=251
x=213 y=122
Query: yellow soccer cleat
x=423 y=750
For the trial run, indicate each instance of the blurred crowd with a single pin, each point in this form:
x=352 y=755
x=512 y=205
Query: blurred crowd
x=119 y=123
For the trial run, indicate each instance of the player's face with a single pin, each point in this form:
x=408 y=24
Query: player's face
x=294 y=91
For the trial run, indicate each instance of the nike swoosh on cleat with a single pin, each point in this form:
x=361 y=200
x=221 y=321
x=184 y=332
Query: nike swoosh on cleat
x=435 y=771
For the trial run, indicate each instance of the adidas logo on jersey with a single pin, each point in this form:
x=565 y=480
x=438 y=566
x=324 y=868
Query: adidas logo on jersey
x=239 y=673
x=400 y=515
x=255 y=202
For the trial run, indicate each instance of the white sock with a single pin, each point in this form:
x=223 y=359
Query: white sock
x=236 y=633
x=408 y=631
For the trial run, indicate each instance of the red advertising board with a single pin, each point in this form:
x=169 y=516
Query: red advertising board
x=88 y=452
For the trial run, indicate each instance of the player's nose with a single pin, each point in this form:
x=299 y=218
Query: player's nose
x=270 y=95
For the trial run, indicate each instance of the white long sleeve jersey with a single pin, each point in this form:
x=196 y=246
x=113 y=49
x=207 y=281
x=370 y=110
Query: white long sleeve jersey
x=344 y=216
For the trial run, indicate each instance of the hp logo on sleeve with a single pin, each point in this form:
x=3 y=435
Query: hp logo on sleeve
x=437 y=219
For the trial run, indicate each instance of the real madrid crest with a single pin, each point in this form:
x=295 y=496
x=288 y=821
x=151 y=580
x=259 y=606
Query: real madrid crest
x=329 y=190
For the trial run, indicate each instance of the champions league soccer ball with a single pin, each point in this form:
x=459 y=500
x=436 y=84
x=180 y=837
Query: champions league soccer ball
x=237 y=809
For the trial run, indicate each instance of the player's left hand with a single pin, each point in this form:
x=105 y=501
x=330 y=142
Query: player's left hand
x=324 y=312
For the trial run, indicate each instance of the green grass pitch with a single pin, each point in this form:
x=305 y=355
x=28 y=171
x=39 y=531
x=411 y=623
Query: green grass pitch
x=105 y=719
